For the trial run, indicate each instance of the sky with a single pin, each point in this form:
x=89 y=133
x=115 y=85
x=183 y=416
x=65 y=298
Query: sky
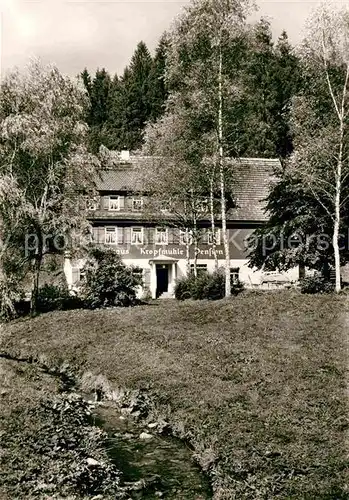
x=75 y=34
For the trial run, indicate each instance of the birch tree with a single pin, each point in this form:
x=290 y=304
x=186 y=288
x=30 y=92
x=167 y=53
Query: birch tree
x=320 y=119
x=198 y=65
x=177 y=186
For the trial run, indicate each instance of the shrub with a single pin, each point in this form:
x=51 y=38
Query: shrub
x=183 y=288
x=45 y=452
x=107 y=281
x=56 y=298
x=316 y=284
x=205 y=286
x=215 y=286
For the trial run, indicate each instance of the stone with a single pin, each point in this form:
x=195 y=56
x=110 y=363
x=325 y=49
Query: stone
x=92 y=461
x=153 y=425
x=145 y=436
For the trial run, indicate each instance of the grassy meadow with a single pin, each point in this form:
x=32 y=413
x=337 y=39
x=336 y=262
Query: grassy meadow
x=257 y=384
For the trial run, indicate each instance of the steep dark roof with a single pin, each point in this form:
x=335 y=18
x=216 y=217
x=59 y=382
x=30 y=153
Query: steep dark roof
x=252 y=179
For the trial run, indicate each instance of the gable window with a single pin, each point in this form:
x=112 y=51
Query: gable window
x=185 y=237
x=210 y=236
x=137 y=204
x=111 y=235
x=136 y=236
x=114 y=203
x=234 y=275
x=161 y=236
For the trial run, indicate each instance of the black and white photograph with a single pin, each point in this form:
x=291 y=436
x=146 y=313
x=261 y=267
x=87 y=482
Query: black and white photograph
x=174 y=250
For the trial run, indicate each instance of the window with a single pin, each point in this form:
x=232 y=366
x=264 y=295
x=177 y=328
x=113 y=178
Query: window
x=165 y=207
x=111 y=235
x=210 y=237
x=200 y=268
x=137 y=204
x=136 y=236
x=185 y=237
x=114 y=203
x=234 y=275
x=161 y=236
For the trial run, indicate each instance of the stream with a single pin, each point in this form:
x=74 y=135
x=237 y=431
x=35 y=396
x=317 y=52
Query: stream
x=153 y=465
x=163 y=464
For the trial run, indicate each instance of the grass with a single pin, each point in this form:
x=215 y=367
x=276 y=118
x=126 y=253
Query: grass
x=258 y=383
x=46 y=439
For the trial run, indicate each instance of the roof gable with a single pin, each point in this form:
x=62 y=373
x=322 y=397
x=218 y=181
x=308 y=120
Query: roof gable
x=252 y=180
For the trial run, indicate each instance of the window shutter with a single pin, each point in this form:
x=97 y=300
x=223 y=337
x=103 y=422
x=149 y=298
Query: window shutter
x=75 y=275
x=151 y=235
x=95 y=234
x=146 y=278
x=100 y=235
x=106 y=202
x=127 y=235
x=120 y=231
x=121 y=202
x=171 y=235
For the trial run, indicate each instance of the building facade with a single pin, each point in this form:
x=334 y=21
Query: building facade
x=118 y=220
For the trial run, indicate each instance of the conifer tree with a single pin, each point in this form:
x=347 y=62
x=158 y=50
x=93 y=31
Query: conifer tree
x=158 y=93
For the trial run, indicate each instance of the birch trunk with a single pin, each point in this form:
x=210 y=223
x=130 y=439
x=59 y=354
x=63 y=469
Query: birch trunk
x=337 y=217
x=221 y=176
x=213 y=224
x=187 y=247
x=196 y=244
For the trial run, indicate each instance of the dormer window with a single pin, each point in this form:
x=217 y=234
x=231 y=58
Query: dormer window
x=137 y=204
x=114 y=203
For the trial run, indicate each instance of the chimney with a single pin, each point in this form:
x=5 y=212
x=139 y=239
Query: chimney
x=124 y=155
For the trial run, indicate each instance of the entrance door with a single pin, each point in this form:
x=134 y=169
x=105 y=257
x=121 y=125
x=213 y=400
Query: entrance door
x=161 y=279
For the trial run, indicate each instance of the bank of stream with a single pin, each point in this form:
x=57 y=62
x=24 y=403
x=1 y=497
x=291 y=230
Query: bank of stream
x=161 y=466
x=153 y=464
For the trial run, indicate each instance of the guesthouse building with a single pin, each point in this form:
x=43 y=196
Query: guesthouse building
x=119 y=220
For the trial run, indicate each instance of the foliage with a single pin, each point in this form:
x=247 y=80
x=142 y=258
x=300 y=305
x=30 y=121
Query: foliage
x=56 y=298
x=316 y=284
x=9 y=295
x=204 y=286
x=45 y=169
x=271 y=74
x=309 y=202
x=45 y=451
x=107 y=281
x=298 y=230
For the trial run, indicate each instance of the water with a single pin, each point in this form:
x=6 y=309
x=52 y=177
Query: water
x=164 y=464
